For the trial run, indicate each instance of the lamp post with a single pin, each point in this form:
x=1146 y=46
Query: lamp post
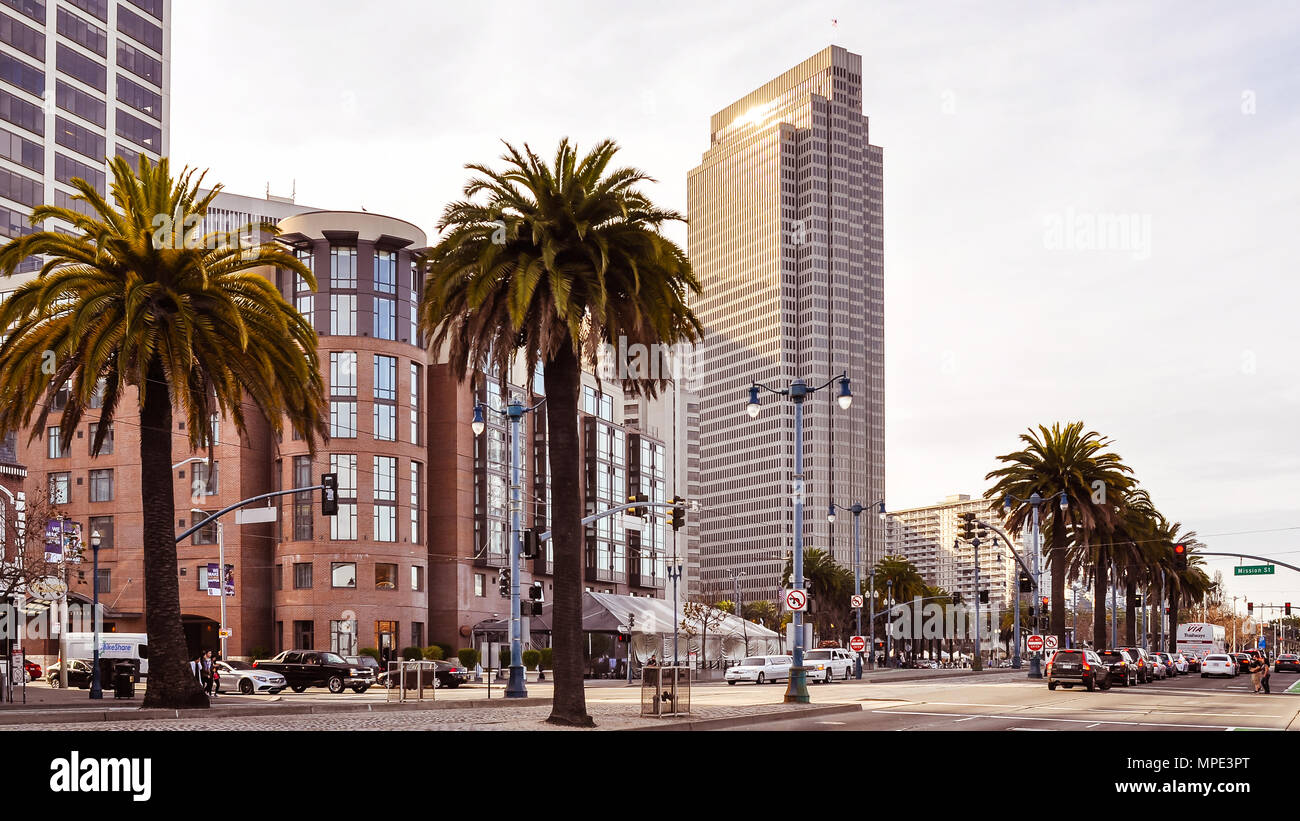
x=735 y=586
x=856 y=510
x=514 y=412
x=797 y=690
x=1036 y=499
x=675 y=573
x=889 y=644
x=96 y=688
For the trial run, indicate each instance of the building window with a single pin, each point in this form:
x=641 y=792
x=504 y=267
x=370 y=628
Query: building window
x=343 y=640
x=302 y=635
x=417 y=578
x=138 y=63
x=55 y=443
x=302 y=576
x=343 y=314
x=386 y=272
x=343 y=420
x=279 y=576
x=343 y=574
x=386 y=377
x=415 y=404
x=201 y=486
x=385 y=422
x=105 y=580
x=385 y=577
x=103 y=525
x=306 y=303
x=417 y=634
x=343 y=525
x=415 y=304
x=385 y=318
x=480 y=583
x=279 y=637
x=343 y=373
x=303 y=506
x=415 y=502
x=343 y=267
x=101 y=486
x=206 y=534
x=385 y=501
x=105 y=449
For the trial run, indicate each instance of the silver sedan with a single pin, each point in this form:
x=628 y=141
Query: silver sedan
x=245 y=678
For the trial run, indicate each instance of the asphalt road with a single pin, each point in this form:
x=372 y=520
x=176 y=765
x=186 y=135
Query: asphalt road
x=1183 y=703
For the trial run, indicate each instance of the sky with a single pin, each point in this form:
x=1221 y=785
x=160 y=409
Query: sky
x=1090 y=209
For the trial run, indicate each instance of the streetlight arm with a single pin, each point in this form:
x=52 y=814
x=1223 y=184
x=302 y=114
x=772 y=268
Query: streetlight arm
x=829 y=382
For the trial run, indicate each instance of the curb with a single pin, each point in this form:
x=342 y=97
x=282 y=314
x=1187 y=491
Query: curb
x=77 y=716
x=741 y=721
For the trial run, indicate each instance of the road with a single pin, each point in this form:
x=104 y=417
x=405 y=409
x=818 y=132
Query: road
x=1179 y=704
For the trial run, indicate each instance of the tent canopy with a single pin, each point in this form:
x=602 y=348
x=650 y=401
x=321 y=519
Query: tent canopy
x=610 y=613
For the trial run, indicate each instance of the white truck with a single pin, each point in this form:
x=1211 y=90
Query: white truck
x=124 y=646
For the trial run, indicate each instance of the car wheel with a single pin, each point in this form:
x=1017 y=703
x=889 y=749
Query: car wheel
x=335 y=684
x=1051 y=685
x=732 y=682
x=760 y=679
x=1092 y=685
x=453 y=685
x=298 y=688
x=246 y=686
x=54 y=682
x=360 y=688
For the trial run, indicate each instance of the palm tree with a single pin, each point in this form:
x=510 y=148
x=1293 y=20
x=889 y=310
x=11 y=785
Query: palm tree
x=553 y=263
x=830 y=585
x=1062 y=460
x=134 y=307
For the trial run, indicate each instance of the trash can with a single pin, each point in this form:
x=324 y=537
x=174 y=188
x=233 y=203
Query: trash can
x=124 y=680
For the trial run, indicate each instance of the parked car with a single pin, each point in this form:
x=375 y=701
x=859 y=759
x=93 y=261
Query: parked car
x=32 y=669
x=1146 y=669
x=78 y=674
x=1122 y=670
x=1243 y=661
x=1287 y=663
x=365 y=661
x=1193 y=662
x=1171 y=666
x=1070 y=667
x=245 y=678
x=826 y=664
x=312 y=668
x=760 y=669
x=1159 y=667
x=1218 y=664
x=440 y=673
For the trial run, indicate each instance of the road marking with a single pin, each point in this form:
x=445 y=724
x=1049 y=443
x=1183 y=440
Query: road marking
x=1094 y=724
x=960 y=720
x=1064 y=720
x=1033 y=729
x=837 y=723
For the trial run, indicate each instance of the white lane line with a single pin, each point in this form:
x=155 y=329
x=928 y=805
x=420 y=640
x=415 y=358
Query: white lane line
x=1094 y=724
x=1063 y=720
x=960 y=720
x=837 y=723
x=1033 y=729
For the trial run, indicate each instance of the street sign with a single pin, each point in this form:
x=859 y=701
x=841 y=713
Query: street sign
x=256 y=515
x=1253 y=570
x=225 y=634
x=1262 y=644
x=1034 y=643
x=1050 y=642
x=858 y=644
x=796 y=599
x=857 y=601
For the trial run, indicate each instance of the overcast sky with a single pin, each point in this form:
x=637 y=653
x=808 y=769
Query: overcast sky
x=1091 y=211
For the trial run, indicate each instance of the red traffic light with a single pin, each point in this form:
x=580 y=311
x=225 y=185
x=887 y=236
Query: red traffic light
x=1180 y=549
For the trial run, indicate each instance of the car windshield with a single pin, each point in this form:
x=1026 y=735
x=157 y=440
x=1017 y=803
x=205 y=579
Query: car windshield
x=331 y=658
x=1216 y=658
x=238 y=665
x=1067 y=656
x=817 y=655
x=755 y=662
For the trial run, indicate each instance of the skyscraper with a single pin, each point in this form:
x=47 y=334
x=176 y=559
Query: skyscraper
x=80 y=81
x=786 y=235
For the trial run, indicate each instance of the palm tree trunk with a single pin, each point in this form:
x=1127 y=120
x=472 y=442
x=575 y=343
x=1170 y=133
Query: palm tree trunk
x=1130 y=614
x=1099 y=604
x=1057 y=561
x=1173 y=618
x=170 y=684
x=563 y=378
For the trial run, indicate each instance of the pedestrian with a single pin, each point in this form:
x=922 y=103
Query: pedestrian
x=196 y=670
x=207 y=672
x=1263 y=679
x=1256 y=674
x=216 y=677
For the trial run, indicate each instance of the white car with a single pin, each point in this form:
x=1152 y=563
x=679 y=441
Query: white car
x=1218 y=664
x=247 y=679
x=1159 y=668
x=826 y=664
x=760 y=669
x=1180 y=663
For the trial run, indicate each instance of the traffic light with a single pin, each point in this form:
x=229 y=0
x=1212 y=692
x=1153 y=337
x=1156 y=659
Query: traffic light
x=984 y=597
x=503 y=583
x=528 y=544
x=677 y=516
x=1287 y=607
x=1026 y=583
x=968 y=525
x=637 y=512
x=1045 y=600
x=1180 y=556
x=535 y=592
x=956 y=598
x=329 y=494
x=1166 y=610
x=623 y=637
x=536 y=609
x=1250 y=607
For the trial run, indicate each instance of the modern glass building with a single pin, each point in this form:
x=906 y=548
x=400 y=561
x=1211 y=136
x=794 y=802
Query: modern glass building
x=786 y=235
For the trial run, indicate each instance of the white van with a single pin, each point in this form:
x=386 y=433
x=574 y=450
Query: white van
x=826 y=664
x=760 y=669
x=126 y=646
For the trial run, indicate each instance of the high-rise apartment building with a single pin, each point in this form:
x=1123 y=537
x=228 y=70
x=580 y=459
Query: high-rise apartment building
x=786 y=236
x=80 y=81
x=928 y=538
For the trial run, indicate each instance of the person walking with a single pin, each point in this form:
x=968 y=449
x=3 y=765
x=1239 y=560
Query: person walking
x=1256 y=674
x=1263 y=679
x=207 y=672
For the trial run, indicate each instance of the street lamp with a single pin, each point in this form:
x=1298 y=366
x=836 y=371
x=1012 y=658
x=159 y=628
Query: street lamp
x=675 y=573
x=514 y=412
x=889 y=644
x=856 y=510
x=797 y=690
x=1035 y=499
x=96 y=688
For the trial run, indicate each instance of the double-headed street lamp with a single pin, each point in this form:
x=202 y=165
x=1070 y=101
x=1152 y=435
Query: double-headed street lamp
x=514 y=412
x=856 y=510
x=797 y=690
x=1036 y=499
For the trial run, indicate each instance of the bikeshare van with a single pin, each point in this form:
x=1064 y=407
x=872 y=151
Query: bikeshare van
x=116 y=646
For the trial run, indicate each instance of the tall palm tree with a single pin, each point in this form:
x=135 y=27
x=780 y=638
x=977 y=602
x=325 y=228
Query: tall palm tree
x=553 y=262
x=1073 y=461
x=137 y=305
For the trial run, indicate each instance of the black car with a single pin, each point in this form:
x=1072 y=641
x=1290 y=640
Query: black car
x=1287 y=663
x=78 y=674
x=1070 y=667
x=1122 y=669
x=1243 y=661
x=312 y=668
x=446 y=673
x=1145 y=669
